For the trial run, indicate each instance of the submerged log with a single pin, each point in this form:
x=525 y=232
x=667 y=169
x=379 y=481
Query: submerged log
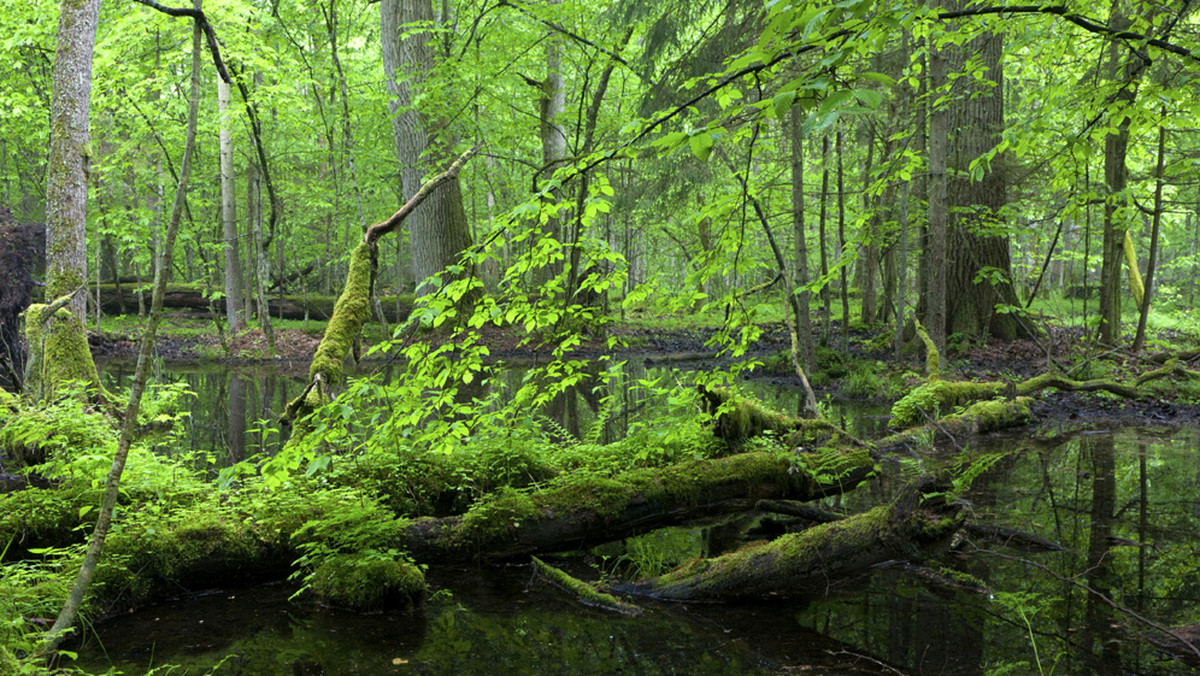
x=912 y=527
x=584 y=592
x=592 y=510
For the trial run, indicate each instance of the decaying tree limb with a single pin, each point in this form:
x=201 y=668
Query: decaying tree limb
x=353 y=308
x=913 y=527
x=594 y=510
x=934 y=398
x=739 y=418
x=586 y=593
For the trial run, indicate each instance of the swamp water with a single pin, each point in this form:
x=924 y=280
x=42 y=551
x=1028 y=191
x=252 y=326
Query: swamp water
x=1123 y=504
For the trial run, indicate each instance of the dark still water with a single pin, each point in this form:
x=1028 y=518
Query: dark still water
x=1095 y=566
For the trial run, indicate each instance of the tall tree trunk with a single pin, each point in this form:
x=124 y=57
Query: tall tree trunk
x=868 y=264
x=803 y=321
x=935 y=258
x=826 y=302
x=844 y=272
x=162 y=273
x=67 y=173
x=551 y=103
x=235 y=314
x=1139 y=339
x=438 y=230
x=1116 y=146
x=976 y=241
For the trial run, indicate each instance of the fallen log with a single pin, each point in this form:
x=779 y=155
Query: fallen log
x=587 y=594
x=912 y=527
x=114 y=300
x=590 y=510
x=739 y=418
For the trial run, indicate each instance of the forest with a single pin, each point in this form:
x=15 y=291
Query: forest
x=583 y=336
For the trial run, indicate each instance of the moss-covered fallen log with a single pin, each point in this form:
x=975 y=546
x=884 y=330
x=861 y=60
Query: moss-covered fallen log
x=114 y=301
x=739 y=418
x=587 y=594
x=912 y=527
x=584 y=511
x=933 y=400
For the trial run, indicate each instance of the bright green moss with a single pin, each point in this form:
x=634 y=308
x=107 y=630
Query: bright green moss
x=59 y=352
x=936 y=398
x=369 y=581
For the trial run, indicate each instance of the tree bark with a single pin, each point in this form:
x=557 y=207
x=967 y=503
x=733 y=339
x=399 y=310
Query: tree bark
x=807 y=350
x=438 y=231
x=804 y=564
x=976 y=239
x=70 y=154
x=235 y=314
x=935 y=258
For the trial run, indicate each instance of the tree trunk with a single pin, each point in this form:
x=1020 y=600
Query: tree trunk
x=803 y=564
x=235 y=314
x=935 y=258
x=599 y=510
x=808 y=358
x=67 y=172
x=438 y=230
x=1139 y=339
x=1116 y=146
x=976 y=239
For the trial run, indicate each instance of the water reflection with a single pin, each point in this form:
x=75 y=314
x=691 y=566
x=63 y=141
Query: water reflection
x=234 y=409
x=1124 y=506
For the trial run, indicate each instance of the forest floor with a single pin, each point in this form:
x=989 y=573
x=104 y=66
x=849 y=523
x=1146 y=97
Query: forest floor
x=187 y=337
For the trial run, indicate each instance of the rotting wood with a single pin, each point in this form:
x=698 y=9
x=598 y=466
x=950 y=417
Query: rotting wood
x=594 y=510
x=587 y=594
x=912 y=527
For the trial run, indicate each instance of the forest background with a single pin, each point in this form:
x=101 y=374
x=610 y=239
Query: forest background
x=987 y=169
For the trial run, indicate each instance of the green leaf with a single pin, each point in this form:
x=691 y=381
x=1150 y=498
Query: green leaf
x=702 y=145
x=869 y=97
x=783 y=102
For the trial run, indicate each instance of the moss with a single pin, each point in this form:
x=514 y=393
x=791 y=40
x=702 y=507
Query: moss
x=804 y=562
x=352 y=310
x=40 y=518
x=59 y=352
x=937 y=397
x=586 y=593
x=369 y=581
x=152 y=556
x=989 y=416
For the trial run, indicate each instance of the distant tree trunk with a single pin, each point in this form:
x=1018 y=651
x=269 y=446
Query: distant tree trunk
x=826 y=302
x=67 y=172
x=804 y=302
x=976 y=241
x=868 y=265
x=438 y=230
x=935 y=258
x=1116 y=146
x=235 y=313
x=551 y=103
x=844 y=272
x=1139 y=339
x=261 y=270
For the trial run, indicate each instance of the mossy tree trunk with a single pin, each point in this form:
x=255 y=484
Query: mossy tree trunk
x=67 y=172
x=911 y=528
x=596 y=510
x=66 y=618
x=353 y=307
